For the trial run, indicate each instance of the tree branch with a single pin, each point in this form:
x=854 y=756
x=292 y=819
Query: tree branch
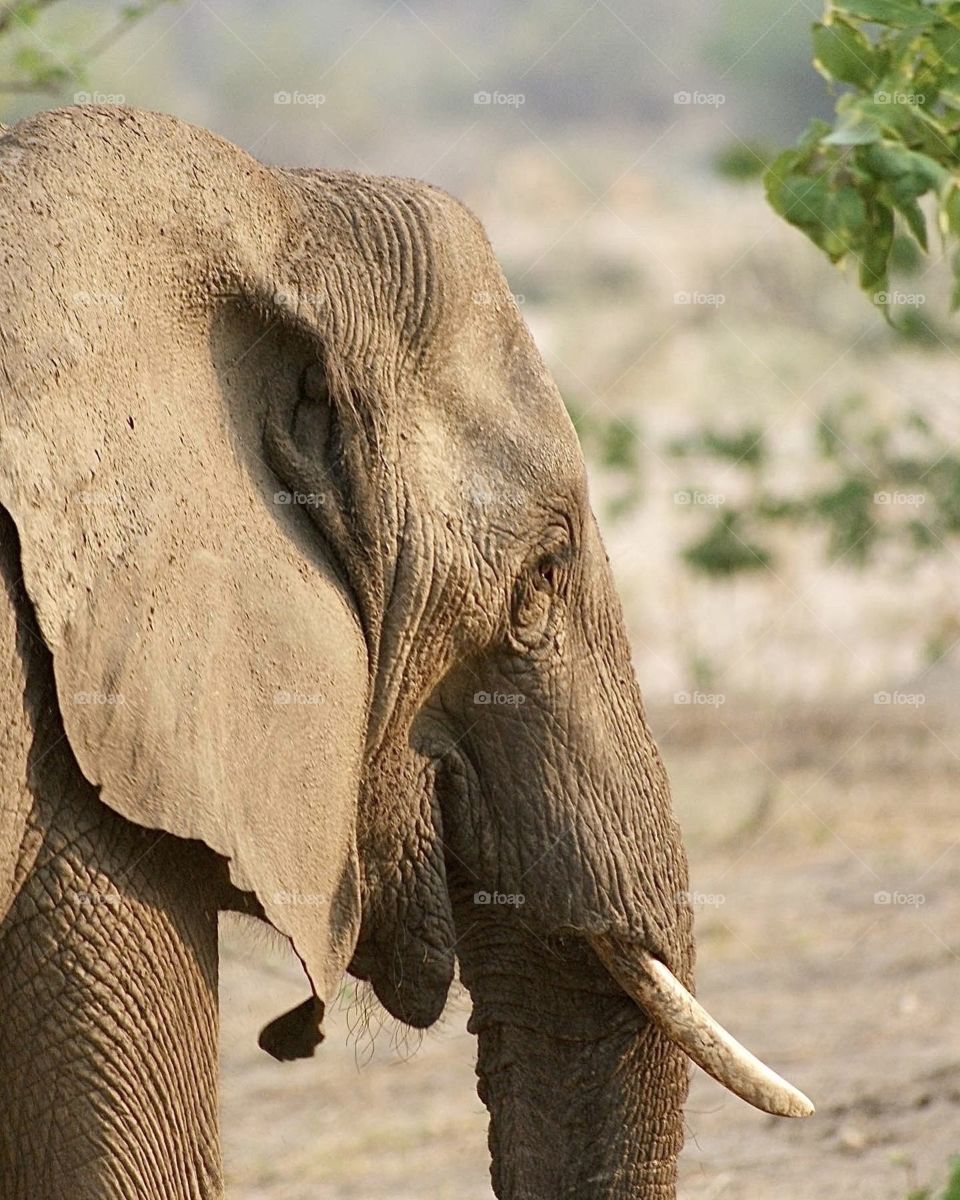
x=118 y=30
x=11 y=13
x=26 y=87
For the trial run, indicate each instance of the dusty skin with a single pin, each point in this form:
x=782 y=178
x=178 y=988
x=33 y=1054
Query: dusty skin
x=277 y=638
x=856 y=998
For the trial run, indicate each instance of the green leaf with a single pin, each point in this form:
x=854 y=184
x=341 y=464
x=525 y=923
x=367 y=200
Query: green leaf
x=805 y=199
x=29 y=61
x=913 y=172
x=24 y=13
x=955 y=294
x=900 y=13
x=953 y=1186
x=912 y=213
x=945 y=41
x=875 y=252
x=858 y=131
x=849 y=209
x=842 y=53
x=619 y=449
x=950 y=210
x=725 y=550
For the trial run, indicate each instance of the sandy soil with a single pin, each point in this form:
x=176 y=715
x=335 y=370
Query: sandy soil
x=825 y=857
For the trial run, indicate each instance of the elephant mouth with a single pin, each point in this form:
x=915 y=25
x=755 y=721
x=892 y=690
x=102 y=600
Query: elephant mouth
x=683 y=1021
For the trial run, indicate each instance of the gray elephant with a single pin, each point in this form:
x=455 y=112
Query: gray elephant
x=305 y=615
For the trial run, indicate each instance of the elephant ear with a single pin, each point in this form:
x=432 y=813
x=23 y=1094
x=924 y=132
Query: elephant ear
x=211 y=669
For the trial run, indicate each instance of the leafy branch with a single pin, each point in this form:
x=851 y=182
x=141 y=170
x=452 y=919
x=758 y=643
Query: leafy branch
x=895 y=141
x=39 y=68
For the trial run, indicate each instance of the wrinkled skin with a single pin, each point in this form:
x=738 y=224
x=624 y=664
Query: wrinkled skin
x=295 y=499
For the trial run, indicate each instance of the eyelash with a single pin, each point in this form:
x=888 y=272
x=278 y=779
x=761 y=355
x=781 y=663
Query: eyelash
x=549 y=569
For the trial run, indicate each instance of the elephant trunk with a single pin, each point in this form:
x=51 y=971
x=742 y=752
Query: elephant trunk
x=585 y=1093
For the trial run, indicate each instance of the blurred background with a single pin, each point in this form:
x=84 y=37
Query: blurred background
x=777 y=473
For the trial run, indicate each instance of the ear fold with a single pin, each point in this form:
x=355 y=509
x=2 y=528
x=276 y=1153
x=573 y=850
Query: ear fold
x=333 y=457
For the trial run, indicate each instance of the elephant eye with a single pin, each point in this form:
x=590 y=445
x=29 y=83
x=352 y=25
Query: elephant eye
x=313 y=384
x=311 y=427
x=549 y=570
x=536 y=597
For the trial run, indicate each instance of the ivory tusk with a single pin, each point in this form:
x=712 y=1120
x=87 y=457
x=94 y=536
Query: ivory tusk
x=690 y=1027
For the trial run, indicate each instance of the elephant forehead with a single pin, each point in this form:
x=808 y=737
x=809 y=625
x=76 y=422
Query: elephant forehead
x=475 y=394
x=493 y=429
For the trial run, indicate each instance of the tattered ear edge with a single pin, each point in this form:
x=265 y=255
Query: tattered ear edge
x=294 y=1034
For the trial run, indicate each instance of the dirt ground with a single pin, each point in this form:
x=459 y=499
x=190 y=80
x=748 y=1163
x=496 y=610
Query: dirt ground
x=825 y=866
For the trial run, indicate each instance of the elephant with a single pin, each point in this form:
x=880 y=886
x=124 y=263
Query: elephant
x=305 y=615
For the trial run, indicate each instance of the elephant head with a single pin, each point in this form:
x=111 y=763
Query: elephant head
x=307 y=531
